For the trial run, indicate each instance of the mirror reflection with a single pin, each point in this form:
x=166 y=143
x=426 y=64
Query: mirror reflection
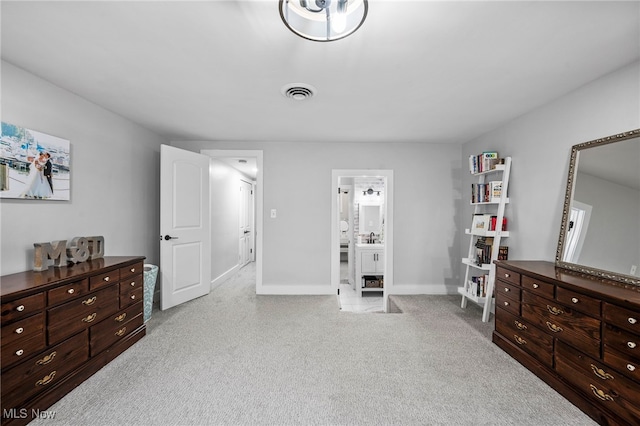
x=601 y=221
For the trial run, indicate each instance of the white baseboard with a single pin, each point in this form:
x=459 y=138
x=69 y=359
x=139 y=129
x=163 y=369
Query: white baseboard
x=224 y=276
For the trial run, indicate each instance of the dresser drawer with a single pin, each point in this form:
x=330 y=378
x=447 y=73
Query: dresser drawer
x=538 y=287
x=622 y=318
x=622 y=341
x=525 y=336
x=579 y=302
x=130 y=283
x=115 y=328
x=575 y=328
x=510 y=305
x=623 y=363
x=22 y=308
x=98 y=281
x=508 y=290
x=43 y=370
x=134 y=269
x=66 y=320
x=507 y=275
x=68 y=292
x=22 y=329
x=130 y=296
x=612 y=391
x=19 y=350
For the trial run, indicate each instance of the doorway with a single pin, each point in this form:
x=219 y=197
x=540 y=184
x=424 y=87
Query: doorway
x=383 y=236
x=254 y=247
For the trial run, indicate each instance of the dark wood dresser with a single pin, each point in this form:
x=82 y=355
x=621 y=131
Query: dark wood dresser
x=61 y=325
x=580 y=334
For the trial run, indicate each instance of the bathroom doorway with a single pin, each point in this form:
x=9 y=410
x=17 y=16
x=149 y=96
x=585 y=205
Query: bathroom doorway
x=365 y=189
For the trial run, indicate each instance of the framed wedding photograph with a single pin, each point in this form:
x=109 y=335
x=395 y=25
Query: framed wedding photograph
x=33 y=165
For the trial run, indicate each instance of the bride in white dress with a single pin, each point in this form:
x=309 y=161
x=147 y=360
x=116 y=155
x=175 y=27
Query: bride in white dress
x=37 y=185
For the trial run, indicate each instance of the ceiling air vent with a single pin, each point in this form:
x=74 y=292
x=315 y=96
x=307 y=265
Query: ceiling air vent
x=298 y=91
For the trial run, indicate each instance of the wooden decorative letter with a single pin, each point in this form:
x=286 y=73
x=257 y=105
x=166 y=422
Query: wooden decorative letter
x=46 y=251
x=79 y=250
x=96 y=247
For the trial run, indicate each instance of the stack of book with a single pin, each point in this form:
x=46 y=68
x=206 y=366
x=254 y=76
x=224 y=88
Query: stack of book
x=484 y=248
x=478 y=285
x=483 y=222
x=483 y=162
x=486 y=192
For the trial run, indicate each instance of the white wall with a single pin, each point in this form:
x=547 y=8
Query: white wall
x=297 y=183
x=114 y=176
x=613 y=225
x=540 y=144
x=225 y=216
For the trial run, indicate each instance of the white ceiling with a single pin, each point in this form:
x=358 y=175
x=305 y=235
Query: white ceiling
x=415 y=71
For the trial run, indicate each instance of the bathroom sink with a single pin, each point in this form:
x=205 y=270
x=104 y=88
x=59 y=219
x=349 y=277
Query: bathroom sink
x=372 y=246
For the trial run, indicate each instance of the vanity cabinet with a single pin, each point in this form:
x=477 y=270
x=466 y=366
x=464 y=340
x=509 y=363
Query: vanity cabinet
x=62 y=325
x=369 y=262
x=579 y=334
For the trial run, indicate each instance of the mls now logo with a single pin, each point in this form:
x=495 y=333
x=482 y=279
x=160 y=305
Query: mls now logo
x=23 y=413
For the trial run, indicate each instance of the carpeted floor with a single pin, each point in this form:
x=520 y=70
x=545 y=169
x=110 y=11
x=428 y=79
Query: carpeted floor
x=234 y=358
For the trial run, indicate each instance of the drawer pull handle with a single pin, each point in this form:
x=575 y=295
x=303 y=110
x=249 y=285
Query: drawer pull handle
x=535 y=285
x=554 y=327
x=20 y=308
x=507 y=275
x=121 y=332
x=632 y=320
x=600 y=394
x=71 y=291
x=133 y=296
x=47 y=359
x=519 y=340
x=554 y=311
x=121 y=318
x=106 y=279
x=89 y=301
x=520 y=325
x=132 y=269
x=90 y=318
x=506 y=303
x=46 y=379
x=19 y=330
x=19 y=352
x=632 y=345
x=631 y=367
x=601 y=373
x=506 y=289
x=133 y=284
x=574 y=300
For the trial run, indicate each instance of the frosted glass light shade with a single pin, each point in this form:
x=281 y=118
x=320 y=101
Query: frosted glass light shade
x=323 y=24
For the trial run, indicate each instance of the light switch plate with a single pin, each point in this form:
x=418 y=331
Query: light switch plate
x=273 y=213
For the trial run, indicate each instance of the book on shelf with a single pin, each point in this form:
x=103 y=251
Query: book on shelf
x=478 y=285
x=483 y=162
x=503 y=253
x=493 y=222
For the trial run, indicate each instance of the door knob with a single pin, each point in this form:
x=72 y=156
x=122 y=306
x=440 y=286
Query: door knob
x=169 y=237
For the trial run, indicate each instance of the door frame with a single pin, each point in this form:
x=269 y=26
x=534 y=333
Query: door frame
x=336 y=174
x=258 y=200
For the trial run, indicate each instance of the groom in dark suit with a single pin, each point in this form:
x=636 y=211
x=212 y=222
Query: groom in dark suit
x=47 y=170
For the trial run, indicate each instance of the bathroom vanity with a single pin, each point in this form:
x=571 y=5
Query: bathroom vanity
x=369 y=263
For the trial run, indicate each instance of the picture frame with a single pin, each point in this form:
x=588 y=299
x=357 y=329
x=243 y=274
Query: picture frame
x=34 y=165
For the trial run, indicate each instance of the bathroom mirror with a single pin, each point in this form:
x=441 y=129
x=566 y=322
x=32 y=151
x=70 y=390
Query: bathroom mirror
x=370 y=219
x=600 y=228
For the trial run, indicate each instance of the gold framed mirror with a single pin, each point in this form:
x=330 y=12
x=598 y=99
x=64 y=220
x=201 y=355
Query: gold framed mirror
x=600 y=228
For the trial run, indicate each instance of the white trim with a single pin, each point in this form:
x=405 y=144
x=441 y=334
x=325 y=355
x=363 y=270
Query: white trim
x=258 y=154
x=224 y=276
x=388 y=231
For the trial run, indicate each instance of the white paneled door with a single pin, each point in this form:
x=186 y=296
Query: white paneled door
x=246 y=221
x=185 y=229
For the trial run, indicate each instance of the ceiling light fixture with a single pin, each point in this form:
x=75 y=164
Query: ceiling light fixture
x=323 y=20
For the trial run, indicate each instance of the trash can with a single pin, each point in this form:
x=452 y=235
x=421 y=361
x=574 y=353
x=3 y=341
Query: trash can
x=150 y=277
